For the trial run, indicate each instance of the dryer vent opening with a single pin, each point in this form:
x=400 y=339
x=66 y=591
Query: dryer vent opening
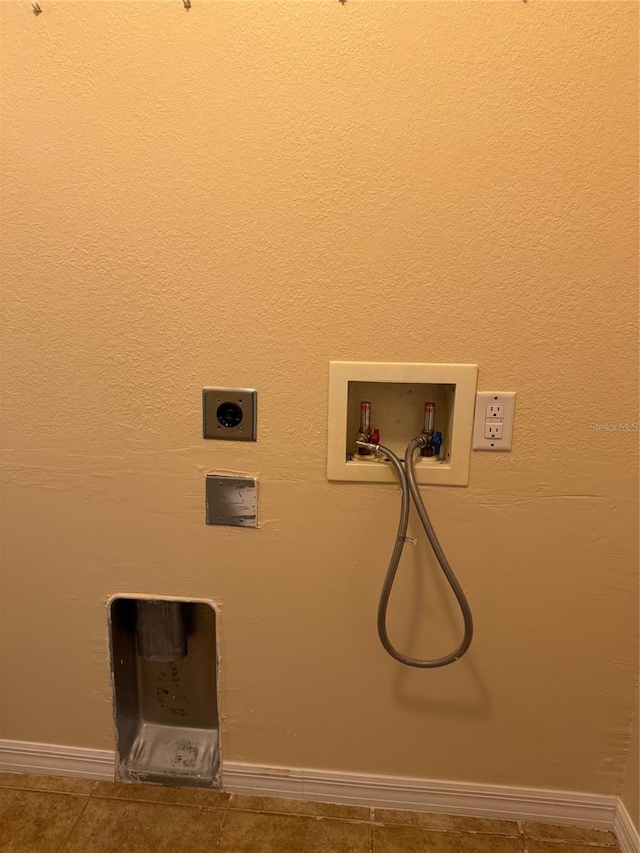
x=160 y=630
x=164 y=666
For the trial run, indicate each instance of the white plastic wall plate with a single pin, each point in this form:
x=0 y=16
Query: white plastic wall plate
x=450 y=471
x=496 y=407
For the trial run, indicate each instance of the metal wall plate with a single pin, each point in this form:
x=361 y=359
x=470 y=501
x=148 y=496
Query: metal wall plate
x=232 y=501
x=230 y=414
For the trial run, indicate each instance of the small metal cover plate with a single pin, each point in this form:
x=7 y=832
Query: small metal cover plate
x=232 y=501
x=230 y=414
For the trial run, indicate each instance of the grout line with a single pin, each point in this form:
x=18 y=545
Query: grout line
x=372 y=814
x=303 y=814
x=198 y=806
x=46 y=790
x=372 y=821
x=224 y=820
x=224 y=802
x=372 y=838
x=598 y=845
x=73 y=826
x=457 y=832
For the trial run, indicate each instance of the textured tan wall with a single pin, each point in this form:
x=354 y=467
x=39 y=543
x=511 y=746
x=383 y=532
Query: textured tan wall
x=631 y=786
x=213 y=198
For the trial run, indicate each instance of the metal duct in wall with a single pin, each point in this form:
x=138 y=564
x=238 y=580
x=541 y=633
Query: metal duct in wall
x=164 y=664
x=160 y=630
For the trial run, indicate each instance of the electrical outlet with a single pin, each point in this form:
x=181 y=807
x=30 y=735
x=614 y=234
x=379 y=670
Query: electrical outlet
x=494 y=412
x=229 y=414
x=493 y=420
x=493 y=429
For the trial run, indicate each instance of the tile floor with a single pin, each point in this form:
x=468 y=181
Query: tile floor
x=46 y=814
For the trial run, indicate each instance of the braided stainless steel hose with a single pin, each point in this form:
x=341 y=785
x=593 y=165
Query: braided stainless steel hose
x=408 y=486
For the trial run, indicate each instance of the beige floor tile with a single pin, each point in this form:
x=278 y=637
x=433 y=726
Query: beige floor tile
x=456 y=823
x=576 y=834
x=202 y=797
x=35 y=821
x=298 y=807
x=408 y=839
x=62 y=784
x=257 y=832
x=534 y=846
x=117 y=826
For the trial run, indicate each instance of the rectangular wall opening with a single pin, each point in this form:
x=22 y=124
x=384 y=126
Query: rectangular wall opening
x=164 y=665
x=397 y=410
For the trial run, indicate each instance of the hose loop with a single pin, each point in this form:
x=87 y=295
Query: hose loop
x=409 y=487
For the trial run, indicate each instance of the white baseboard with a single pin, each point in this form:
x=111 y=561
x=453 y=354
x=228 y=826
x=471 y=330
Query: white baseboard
x=626 y=833
x=431 y=795
x=493 y=801
x=49 y=759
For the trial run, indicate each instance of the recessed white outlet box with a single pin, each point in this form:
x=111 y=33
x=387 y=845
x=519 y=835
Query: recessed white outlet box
x=493 y=422
x=398 y=393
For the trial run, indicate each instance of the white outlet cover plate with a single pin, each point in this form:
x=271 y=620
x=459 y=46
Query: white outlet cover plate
x=453 y=472
x=492 y=398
